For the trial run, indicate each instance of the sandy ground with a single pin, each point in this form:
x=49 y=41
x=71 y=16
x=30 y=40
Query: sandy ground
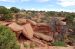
x=50 y=47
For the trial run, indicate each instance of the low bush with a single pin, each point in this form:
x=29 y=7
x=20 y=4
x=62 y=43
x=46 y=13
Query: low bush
x=7 y=17
x=59 y=43
x=7 y=38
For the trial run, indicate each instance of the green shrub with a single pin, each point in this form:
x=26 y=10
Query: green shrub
x=59 y=43
x=7 y=38
x=4 y=10
x=14 y=10
x=7 y=17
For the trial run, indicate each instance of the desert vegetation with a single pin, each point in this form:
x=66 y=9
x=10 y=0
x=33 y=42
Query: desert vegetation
x=43 y=28
x=7 y=38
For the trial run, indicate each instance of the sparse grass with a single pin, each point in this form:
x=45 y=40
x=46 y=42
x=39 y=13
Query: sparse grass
x=26 y=46
x=59 y=43
x=32 y=45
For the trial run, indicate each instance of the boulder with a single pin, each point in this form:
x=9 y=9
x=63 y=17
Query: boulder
x=38 y=42
x=43 y=36
x=28 y=31
x=15 y=27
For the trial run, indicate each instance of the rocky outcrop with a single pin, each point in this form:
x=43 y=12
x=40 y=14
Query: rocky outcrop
x=28 y=31
x=39 y=33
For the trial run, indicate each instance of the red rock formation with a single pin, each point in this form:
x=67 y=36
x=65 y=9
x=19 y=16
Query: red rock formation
x=28 y=31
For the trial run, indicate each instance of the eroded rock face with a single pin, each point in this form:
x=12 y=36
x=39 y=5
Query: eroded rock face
x=28 y=31
x=25 y=29
x=43 y=36
x=31 y=22
x=42 y=27
x=15 y=27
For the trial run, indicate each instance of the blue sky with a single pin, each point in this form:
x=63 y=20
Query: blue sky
x=47 y=5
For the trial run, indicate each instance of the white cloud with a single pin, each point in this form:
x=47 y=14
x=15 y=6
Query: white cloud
x=25 y=0
x=8 y=7
x=14 y=0
x=38 y=9
x=66 y=3
x=50 y=9
x=8 y=0
x=42 y=1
